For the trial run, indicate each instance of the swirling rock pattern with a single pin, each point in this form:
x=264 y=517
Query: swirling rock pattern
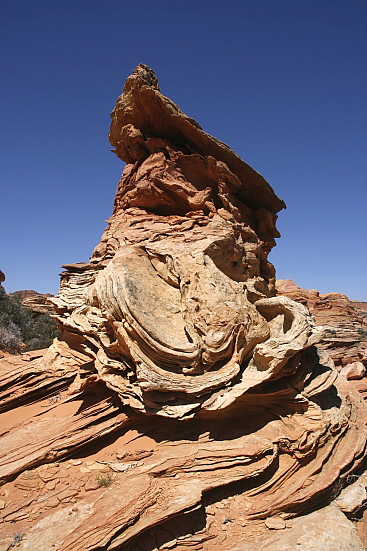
x=175 y=329
x=176 y=307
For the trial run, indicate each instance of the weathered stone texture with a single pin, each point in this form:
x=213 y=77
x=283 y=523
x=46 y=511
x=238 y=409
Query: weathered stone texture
x=39 y=303
x=173 y=334
x=345 y=334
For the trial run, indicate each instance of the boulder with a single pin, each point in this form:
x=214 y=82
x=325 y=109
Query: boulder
x=355 y=370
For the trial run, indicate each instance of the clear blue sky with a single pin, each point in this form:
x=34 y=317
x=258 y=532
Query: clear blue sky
x=283 y=82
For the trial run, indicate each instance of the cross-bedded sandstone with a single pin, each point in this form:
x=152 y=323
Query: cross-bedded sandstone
x=174 y=329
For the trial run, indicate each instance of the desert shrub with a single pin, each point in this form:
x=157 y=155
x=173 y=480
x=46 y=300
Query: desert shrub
x=10 y=338
x=20 y=329
x=104 y=478
x=42 y=333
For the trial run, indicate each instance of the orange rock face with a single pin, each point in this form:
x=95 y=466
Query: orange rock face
x=185 y=405
x=345 y=336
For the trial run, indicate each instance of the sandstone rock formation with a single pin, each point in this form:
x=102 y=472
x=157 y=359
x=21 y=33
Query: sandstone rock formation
x=185 y=405
x=345 y=335
x=361 y=308
x=39 y=303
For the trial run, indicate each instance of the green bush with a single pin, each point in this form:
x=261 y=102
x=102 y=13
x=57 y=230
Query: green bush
x=10 y=338
x=104 y=478
x=20 y=329
x=42 y=333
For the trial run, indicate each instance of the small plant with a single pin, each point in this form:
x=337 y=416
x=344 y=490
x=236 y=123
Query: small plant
x=16 y=539
x=104 y=479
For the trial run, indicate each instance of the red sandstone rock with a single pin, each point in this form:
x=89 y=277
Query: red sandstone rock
x=345 y=337
x=355 y=370
x=361 y=308
x=181 y=383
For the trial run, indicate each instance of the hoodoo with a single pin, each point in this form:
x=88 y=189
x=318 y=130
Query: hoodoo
x=173 y=330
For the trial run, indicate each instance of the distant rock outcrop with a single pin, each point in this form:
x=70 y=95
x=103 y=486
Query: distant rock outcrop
x=25 y=321
x=345 y=336
x=185 y=405
x=361 y=308
x=37 y=302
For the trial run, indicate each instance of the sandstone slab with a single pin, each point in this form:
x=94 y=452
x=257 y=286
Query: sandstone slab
x=355 y=370
x=327 y=529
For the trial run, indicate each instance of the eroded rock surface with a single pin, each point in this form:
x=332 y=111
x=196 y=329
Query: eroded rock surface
x=345 y=335
x=39 y=303
x=194 y=393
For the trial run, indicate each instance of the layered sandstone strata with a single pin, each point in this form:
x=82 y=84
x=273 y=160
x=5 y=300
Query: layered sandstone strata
x=39 y=303
x=344 y=322
x=173 y=333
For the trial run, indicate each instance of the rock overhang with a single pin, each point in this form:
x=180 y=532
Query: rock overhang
x=144 y=107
